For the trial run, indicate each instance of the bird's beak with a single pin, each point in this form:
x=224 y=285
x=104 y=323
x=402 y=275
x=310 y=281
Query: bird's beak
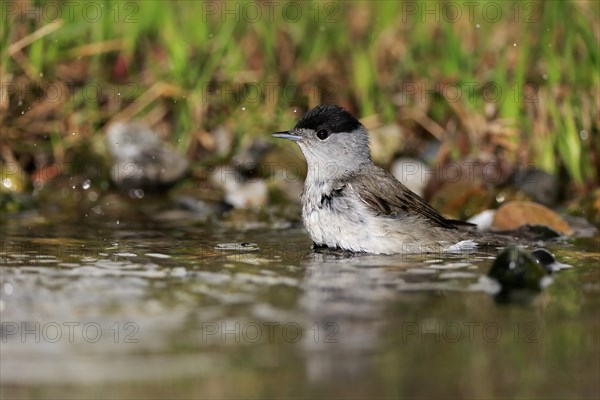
x=287 y=135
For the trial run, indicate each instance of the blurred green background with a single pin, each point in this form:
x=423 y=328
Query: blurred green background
x=516 y=81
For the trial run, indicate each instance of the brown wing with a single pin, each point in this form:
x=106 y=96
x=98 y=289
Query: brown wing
x=381 y=191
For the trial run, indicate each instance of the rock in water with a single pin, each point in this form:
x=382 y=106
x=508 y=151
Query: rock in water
x=547 y=260
x=519 y=274
x=515 y=214
x=141 y=159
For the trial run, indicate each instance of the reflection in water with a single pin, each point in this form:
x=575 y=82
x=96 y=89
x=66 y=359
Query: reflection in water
x=346 y=303
x=150 y=309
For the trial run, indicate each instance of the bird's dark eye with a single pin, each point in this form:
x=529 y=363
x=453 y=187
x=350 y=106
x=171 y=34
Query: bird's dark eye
x=322 y=134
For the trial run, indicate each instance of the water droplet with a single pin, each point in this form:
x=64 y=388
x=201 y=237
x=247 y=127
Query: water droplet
x=22 y=112
x=136 y=193
x=86 y=184
x=20 y=103
x=243 y=108
x=500 y=198
x=478 y=26
x=118 y=94
x=514 y=45
x=117 y=222
x=41 y=74
x=545 y=77
x=295 y=110
x=74 y=187
x=74 y=133
x=583 y=135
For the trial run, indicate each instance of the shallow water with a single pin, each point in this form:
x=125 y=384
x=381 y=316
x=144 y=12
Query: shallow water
x=151 y=310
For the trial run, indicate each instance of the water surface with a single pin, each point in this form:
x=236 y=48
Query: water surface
x=152 y=310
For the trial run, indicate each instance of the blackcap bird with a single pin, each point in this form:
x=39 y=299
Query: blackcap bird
x=350 y=203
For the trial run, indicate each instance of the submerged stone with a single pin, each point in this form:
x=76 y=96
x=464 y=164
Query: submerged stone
x=548 y=261
x=516 y=269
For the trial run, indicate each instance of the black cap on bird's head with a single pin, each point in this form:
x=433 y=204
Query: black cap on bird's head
x=329 y=134
x=328 y=118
